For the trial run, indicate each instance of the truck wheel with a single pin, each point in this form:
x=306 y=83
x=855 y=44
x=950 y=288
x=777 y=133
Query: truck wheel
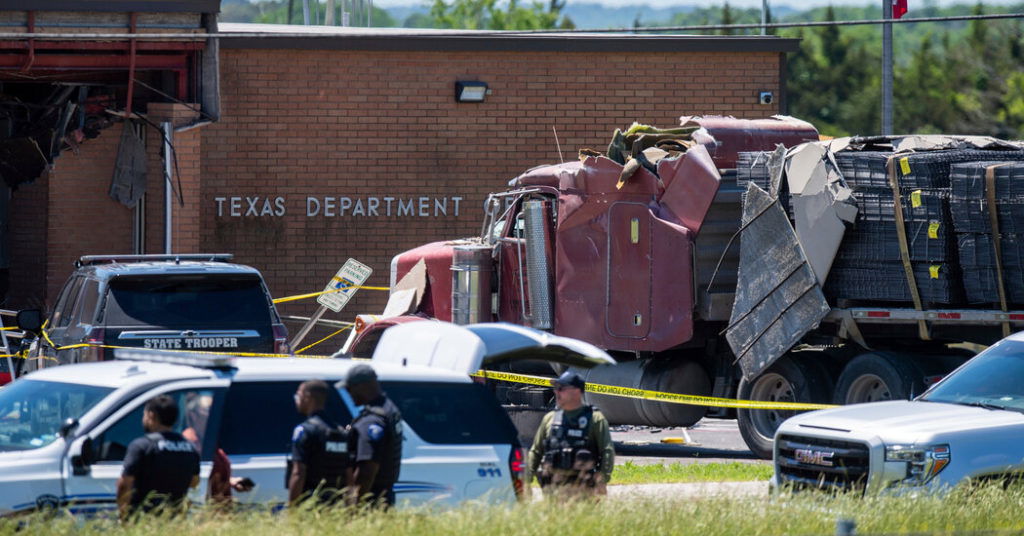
x=787 y=380
x=878 y=376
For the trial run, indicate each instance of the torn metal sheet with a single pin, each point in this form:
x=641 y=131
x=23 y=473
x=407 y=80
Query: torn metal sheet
x=934 y=142
x=822 y=205
x=692 y=182
x=776 y=168
x=407 y=294
x=778 y=298
x=923 y=142
x=129 y=183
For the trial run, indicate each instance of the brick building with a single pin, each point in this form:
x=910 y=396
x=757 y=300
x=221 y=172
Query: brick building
x=337 y=143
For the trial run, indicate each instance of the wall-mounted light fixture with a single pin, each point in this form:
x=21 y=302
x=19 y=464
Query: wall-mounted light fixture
x=470 y=91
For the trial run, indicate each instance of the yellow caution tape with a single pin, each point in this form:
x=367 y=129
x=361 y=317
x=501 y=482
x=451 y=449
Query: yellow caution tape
x=304 y=348
x=203 y=352
x=674 y=398
x=933 y=229
x=321 y=293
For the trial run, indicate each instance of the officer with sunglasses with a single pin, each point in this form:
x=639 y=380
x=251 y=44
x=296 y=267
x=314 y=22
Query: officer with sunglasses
x=572 y=453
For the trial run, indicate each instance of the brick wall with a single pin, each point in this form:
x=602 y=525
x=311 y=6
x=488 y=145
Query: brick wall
x=299 y=123
x=82 y=218
x=28 y=228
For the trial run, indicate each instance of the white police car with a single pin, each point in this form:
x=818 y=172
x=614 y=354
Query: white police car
x=64 y=430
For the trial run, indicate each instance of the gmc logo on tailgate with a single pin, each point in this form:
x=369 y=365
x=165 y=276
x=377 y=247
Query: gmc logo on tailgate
x=814 y=457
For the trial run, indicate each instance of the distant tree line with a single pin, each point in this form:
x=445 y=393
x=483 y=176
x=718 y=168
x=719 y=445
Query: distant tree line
x=954 y=77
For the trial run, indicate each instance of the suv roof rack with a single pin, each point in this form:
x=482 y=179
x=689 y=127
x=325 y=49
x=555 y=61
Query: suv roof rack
x=190 y=359
x=89 y=260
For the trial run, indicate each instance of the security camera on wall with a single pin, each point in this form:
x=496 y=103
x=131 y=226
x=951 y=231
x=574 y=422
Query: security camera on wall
x=766 y=97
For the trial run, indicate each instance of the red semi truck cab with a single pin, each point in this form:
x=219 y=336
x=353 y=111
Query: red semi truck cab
x=572 y=250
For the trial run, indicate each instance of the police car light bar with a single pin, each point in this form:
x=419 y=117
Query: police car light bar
x=89 y=260
x=177 y=358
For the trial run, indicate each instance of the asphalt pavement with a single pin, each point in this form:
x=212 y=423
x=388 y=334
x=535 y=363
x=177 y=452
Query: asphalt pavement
x=710 y=440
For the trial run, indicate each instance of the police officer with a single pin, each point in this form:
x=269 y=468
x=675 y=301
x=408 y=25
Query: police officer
x=572 y=452
x=375 y=439
x=319 y=464
x=160 y=466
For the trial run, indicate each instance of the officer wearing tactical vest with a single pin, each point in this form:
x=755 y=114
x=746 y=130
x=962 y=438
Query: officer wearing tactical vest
x=375 y=440
x=572 y=452
x=320 y=465
x=160 y=466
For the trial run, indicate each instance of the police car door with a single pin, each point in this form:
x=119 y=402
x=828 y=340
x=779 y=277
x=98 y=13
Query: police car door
x=93 y=462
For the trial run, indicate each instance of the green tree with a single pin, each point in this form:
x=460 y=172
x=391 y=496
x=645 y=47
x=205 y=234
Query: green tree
x=488 y=15
x=277 y=13
x=727 y=19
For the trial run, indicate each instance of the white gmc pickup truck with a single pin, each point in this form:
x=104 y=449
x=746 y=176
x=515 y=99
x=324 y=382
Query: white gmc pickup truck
x=969 y=426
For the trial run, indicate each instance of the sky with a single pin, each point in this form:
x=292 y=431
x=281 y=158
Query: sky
x=802 y=4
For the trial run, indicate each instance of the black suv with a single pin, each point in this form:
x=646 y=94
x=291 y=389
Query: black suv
x=195 y=302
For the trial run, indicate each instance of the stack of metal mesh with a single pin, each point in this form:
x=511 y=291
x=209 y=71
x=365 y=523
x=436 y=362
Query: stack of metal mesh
x=869 y=265
x=946 y=221
x=974 y=232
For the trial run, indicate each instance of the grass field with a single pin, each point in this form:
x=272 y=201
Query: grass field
x=991 y=509
x=631 y=473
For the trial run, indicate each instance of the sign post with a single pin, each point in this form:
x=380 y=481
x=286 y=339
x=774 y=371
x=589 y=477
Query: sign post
x=336 y=294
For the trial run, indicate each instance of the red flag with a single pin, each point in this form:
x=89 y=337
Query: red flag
x=899 y=8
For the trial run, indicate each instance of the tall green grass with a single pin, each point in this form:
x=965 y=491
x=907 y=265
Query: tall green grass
x=656 y=473
x=963 y=511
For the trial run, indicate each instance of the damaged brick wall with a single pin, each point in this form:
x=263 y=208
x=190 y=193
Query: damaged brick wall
x=361 y=125
x=83 y=219
x=68 y=212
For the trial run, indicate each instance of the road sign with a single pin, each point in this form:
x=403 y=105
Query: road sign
x=353 y=274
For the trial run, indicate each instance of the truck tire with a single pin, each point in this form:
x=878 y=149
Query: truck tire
x=788 y=380
x=879 y=376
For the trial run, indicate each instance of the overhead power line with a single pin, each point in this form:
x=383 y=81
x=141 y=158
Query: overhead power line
x=757 y=26
x=342 y=30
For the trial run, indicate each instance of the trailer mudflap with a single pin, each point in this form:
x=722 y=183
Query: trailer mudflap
x=778 y=299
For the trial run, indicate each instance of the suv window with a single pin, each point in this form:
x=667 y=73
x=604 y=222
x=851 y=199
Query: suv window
x=213 y=300
x=259 y=417
x=65 y=305
x=452 y=413
x=87 y=308
x=195 y=406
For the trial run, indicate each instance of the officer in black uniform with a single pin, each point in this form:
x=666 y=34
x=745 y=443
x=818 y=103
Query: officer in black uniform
x=319 y=464
x=375 y=439
x=572 y=452
x=160 y=466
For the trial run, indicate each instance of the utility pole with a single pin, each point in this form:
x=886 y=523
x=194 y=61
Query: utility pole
x=329 y=17
x=764 y=17
x=887 y=69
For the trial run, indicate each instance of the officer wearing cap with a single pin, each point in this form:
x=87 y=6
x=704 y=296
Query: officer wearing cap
x=375 y=439
x=319 y=465
x=572 y=452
